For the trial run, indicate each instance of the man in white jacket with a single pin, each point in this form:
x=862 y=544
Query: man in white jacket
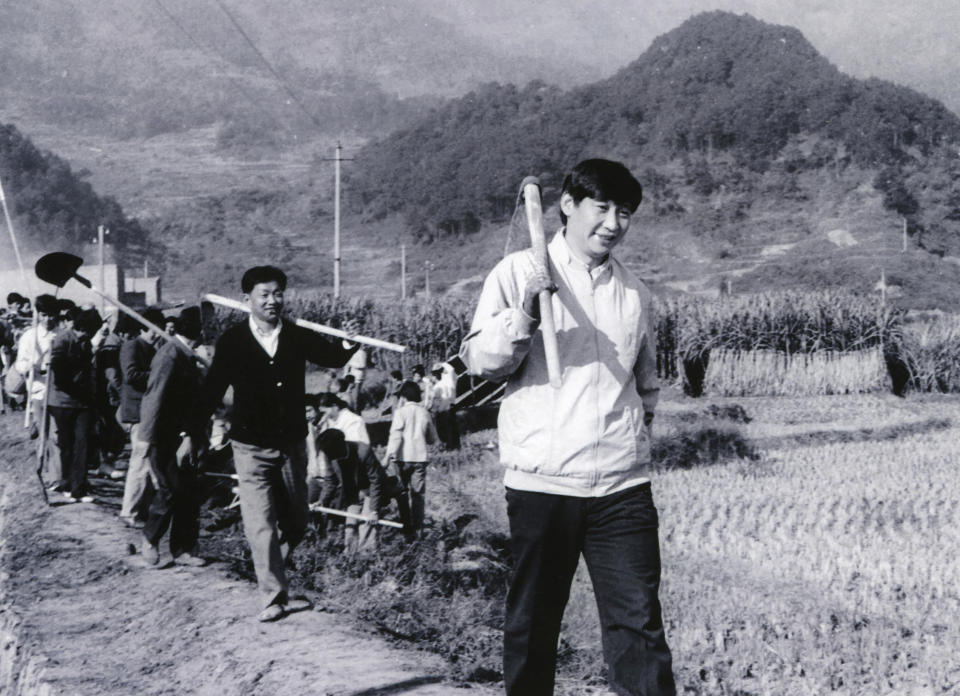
x=577 y=457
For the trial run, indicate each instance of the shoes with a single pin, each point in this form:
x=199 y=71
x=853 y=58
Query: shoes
x=132 y=522
x=68 y=497
x=151 y=554
x=188 y=559
x=86 y=499
x=272 y=613
x=56 y=487
x=298 y=603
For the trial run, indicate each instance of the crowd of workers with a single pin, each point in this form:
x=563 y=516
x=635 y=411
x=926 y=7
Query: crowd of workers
x=574 y=430
x=96 y=392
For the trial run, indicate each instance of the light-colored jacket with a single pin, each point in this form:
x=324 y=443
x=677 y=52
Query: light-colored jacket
x=411 y=431
x=353 y=426
x=586 y=438
x=33 y=351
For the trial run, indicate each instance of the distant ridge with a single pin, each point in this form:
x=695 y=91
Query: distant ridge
x=720 y=85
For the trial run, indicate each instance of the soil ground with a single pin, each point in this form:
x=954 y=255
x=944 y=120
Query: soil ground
x=81 y=615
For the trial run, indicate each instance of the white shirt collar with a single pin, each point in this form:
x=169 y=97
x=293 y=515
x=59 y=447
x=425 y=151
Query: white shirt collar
x=268 y=340
x=561 y=250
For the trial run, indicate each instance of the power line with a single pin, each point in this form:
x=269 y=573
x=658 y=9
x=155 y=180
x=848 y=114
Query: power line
x=205 y=49
x=263 y=59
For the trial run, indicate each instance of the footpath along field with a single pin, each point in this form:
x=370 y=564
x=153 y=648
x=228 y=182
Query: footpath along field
x=825 y=564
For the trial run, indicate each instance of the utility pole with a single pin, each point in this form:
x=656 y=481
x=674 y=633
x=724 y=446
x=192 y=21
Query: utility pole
x=336 y=224
x=427 y=266
x=13 y=240
x=403 y=271
x=338 y=158
x=101 y=232
x=145 y=269
x=903 y=250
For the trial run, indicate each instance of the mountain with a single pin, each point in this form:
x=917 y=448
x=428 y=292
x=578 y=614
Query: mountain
x=54 y=207
x=274 y=74
x=747 y=140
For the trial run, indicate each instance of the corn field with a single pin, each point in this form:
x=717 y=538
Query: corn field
x=818 y=343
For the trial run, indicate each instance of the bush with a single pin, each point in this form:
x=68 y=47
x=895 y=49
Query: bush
x=701 y=446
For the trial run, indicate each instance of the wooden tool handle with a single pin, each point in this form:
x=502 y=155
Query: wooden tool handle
x=538 y=241
x=319 y=328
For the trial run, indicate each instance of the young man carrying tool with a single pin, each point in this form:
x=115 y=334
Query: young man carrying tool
x=577 y=456
x=264 y=360
x=135 y=357
x=165 y=424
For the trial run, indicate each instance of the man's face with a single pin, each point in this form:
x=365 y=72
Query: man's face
x=266 y=302
x=311 y=414
x=594 y=227
x=47 y=321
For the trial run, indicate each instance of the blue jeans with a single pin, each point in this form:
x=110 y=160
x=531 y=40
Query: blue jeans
x=617 y=535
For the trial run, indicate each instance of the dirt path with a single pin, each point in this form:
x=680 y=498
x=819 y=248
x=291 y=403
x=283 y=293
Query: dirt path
x=79 y=616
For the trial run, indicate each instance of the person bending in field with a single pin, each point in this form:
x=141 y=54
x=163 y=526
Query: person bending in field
x=577 y=458
x=353 y=482
x=264 y=360
x=411 y=430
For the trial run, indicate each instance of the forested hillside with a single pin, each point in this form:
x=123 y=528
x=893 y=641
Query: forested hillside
x=55 y=208
x=720 y=105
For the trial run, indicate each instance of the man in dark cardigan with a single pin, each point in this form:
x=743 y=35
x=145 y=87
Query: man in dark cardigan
x=264 y=360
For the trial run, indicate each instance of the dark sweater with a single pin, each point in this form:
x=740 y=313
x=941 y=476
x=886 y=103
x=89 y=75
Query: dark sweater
x=268 y=393
x=135 y=357
x=71 y=366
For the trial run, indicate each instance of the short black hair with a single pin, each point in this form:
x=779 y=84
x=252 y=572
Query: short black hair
x=410 y=391
x=312 y=400
x=262 y=274
x=328 y=399
x=88 y=320
x=46 y=304
x=418 y=370
x=396 y=374
x=189 y=324
x=602 y=180
x=127 y=324
x=332 y=443
x=154 y=316
x=14 y=297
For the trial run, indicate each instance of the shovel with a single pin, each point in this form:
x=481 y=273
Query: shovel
x=58 y=267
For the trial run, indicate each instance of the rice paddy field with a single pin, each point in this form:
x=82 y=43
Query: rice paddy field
x=825 y=564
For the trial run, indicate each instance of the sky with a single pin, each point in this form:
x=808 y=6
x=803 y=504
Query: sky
x=910 y=43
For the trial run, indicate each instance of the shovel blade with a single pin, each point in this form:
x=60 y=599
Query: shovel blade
x=58 y=267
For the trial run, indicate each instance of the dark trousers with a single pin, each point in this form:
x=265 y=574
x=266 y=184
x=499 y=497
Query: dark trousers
x=413 y=478
x=175 y=503
x=617 y=535
x=75 y=434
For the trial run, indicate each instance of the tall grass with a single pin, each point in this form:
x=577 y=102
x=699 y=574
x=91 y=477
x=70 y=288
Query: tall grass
x=933 y=348
x=692 y=331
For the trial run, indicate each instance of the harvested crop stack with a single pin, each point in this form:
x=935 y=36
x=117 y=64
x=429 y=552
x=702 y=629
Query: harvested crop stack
x=773 y=373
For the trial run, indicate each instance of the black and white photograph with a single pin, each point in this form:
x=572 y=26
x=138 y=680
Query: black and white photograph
x=478 y=347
